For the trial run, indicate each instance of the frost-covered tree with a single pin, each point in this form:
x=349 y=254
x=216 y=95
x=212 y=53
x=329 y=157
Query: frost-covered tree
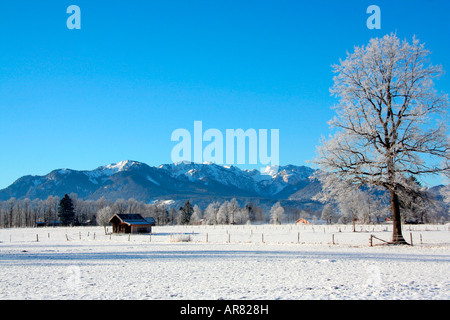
x=51 y=210
x=120 y=206
x=233 y=210
x=157 y=211
x=172 y=215
x=372 y=205
x=445 y=192
x=197 y=215
x=377 y=209
x=211 y=212
x=10 y=206
x=276 y=213
x=328 y=213
x=103 y=215
x=242 y=216
x=133 y=206
x=223 y=216
x=304 y=214
x=349 y=205
x=390 y=121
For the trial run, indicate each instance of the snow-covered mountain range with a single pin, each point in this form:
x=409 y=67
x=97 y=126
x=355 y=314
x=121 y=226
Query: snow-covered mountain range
x=133 y=179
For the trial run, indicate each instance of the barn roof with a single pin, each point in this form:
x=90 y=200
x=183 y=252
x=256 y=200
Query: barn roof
x=302 y=221
x=133 y=219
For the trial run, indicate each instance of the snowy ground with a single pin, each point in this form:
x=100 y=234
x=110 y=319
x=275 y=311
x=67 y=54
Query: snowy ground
x=225 y=262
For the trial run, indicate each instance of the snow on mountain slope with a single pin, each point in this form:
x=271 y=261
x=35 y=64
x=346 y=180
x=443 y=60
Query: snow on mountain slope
x=273 y=180
x=128 y=178
x=102 y=173
x=112 y=168
x=227 y=175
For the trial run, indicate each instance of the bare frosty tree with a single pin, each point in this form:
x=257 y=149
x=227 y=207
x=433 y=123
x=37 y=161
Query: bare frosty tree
x=349 y=207
x=372 y=206
x=446 y=193
x=197 y=215
x=223 y=216
x=211 y=212
x=328 y=213
x=390 y=121
x=233 y=210
x=276 y=213
x=103 y=215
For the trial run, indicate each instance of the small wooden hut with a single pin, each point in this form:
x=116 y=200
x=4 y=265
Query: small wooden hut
x=301 y=221
x=131 y=223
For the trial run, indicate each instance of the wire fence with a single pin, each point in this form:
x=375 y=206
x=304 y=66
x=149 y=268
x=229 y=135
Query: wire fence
x=360 y=235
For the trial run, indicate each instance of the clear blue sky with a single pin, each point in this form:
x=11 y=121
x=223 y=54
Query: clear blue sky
x=138 y=70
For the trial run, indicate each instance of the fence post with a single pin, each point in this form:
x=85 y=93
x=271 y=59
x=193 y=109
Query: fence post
x=37 y=237
x=332 y=238
x=207 y=237
x=371 y=240
x=410 y=237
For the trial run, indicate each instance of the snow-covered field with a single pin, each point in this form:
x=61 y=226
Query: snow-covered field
x=225 y=262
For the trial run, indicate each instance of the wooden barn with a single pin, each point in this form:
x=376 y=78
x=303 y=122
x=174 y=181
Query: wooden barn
x=131 y=223
x=301 y=221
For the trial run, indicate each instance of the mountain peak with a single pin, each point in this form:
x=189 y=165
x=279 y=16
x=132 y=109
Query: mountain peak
x=147 y=183
x=113 y=168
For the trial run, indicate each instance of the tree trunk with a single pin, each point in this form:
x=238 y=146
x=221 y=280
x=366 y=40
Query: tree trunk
x=397 y=237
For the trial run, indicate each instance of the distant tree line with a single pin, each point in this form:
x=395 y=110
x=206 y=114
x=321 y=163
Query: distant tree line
x=370 y=205
x=70 y=210
x=361 y=206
